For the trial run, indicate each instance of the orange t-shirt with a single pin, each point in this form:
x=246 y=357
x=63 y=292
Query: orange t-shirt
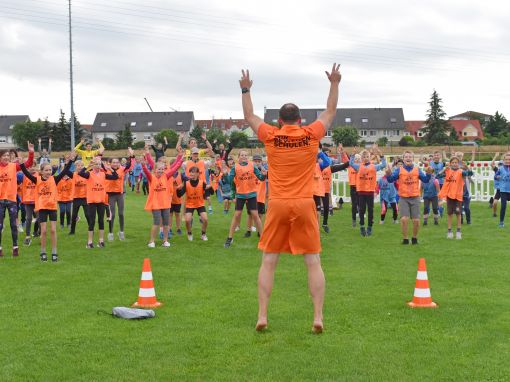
x=176 y=183
x=352 y=176
x=245 y=178
x=79 y=187
x=8 y=182
x=160 y=193
x=28 y=191
x=46 y=194
x=195 y=195
x=261 y=191
x=291 y=156
x=318 y=183
x=409 y=182
x=366 y=179
x=65 y=190
x=453 y=186
x=326 y=177
x=116 y=185
x=96 y=191
x=201 y=168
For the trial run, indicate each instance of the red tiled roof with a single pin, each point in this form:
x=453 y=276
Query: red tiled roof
x=87 y=127
x=218 y=123
x=459 y=125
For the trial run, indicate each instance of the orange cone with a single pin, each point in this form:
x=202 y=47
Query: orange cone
x=147 y=293
x=422 y=297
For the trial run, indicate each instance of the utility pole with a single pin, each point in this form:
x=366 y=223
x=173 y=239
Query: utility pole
x=148 y=104
x=71 y=77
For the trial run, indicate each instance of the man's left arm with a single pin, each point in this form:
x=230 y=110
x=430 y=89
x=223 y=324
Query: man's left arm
x=246 y=83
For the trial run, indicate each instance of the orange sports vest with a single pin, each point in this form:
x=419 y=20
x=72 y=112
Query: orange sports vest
x=318 y=183
x=352 y=176
x=261 y=191
x=176 y=183
x=409 y=183
x=116 y=185
x=96 y=191
x=8 y=182
x=28 y=191
x=79 y=187
x=214 y=181
x=195 y=195
x=453 y=187
x=245 y=176
x=160 y=193
x=366 y=179
x=65 y=190
x=326 y=177
x=201 y=168
x=46 y=194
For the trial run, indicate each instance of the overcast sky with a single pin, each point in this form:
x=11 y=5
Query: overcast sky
x=187 y=55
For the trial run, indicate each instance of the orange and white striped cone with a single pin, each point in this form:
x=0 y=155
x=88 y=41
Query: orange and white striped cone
x=422 y=297
x=147 y=293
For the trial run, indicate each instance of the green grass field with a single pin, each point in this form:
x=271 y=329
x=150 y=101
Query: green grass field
x=50 y=329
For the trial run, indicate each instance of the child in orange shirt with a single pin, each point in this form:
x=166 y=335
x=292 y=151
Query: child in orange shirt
x=65 y=199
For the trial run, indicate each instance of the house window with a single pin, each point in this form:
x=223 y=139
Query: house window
x=397 y=133
x=149 y=124
x=179 y=123
x=393 y=120
x=3 y=139
x=147 y=137
x=373 y=133
x=274 y=121
x=386 y=133
x=420 y=134
x=133 y=124
x=406 y=134
x=348 y=120
x=103 y=124
x=328 y=133
x=464 y=133
x=363 y=133
x=134 y=137
x=364 y=120
x=11 y=127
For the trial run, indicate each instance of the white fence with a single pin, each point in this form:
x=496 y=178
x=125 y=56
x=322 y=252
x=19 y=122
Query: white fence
x=481 y=186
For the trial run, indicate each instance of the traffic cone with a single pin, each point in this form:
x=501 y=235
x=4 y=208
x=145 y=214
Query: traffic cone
x=422 y=297
x=147 y=293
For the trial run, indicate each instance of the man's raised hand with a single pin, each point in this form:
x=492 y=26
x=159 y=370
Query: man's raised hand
x=245 y=81
x=335 y=75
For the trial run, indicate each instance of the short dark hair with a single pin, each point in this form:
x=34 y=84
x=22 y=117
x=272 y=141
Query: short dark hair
x=289 y=113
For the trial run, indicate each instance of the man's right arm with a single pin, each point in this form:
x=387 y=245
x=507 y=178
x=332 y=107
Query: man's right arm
x=250 y=117
x=328 y=115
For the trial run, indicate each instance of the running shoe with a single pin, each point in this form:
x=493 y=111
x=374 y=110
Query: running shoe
x=204 y=237
x=325 y=228
x=27 y=241
x=110 y=236
x=165 y=244
x=44 y=258
x=449 y=235
x=15 y=251
x=458 y=235
x=228 y=242
x=100 y=244
x=247 y=234
x=179 y=232
x=151 y=245
x=121 y=235
x=89 y=246
x=190 y=237
x=54 y=258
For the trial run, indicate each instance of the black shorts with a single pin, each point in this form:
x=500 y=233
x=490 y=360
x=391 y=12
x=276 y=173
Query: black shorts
x=251 y=204
x=199 y=210
x=317 y=200
x=453 y=206
x=228 y=197
x=261 y=208
x=498 y=195
x=175 y=208
x=45 y=214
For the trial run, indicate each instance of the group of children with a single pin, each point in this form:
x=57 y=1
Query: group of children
x=99 y=185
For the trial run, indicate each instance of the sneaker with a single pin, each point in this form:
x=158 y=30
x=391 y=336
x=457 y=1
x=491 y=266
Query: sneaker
x=395 y=221
x=54 y=258
x=253 y=229
x=325 y=228
x=228 y=242
x=425 y=222
x=204 y=237
x=110 y=236
x=237 y=229
x=179 y=232
x=501 y=225
x=414 y=241
x=381 y=222
x=161 y=235
x=100 y=244
x=190 y=237
x=362 y=231
x=170 y=233
x=89 y=246
x=354 y=223
x=15 y=251
x=151 y=245
x=121 y=236
x=436 y=222
x=210 y=211
x=369 y=231
x=20 y=227
x=458 y=235
x=405 y=241
x=165 y=244
x=44 y=258
x=27 y=241
x=449 y=235
x=247 y=234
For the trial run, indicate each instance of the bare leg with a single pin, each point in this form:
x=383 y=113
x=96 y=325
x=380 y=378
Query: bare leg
x=53 y=237
x=256 y=219
x=404 y=220
x=177 y=220
x=101 y=235
x=43 y=237
x=266 y=281
x=188 y=217
x=235 y=223
x=416 y=227
x=203 y=215
x=317 y=285
x=450 y=219
x=459 y=221
x=165 y=233
x=154 y=232
x=90 y=237
x=249 y=222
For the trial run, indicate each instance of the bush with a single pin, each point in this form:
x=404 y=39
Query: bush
x=383 y=141
x=406 y=141
x=138 y=145
x=109 y=144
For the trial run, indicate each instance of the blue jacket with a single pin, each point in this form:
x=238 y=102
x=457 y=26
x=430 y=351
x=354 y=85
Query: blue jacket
x=429 y=189
x=387 y=191
x=503 y=175
x=438 y=167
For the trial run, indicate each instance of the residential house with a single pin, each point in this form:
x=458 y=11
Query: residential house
x=470 y=115
x=7 y=123
x=143 y=125
x=467 y=130
x=371 y=123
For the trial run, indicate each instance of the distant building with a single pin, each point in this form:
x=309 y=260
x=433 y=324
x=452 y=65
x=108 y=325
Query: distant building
x=226 y=125
x=143 y=125
x=7 y=123
x=470 y=115
x=371 y=123
x=466 y=129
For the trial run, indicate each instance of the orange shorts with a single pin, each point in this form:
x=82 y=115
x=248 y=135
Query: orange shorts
x=291 y=226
